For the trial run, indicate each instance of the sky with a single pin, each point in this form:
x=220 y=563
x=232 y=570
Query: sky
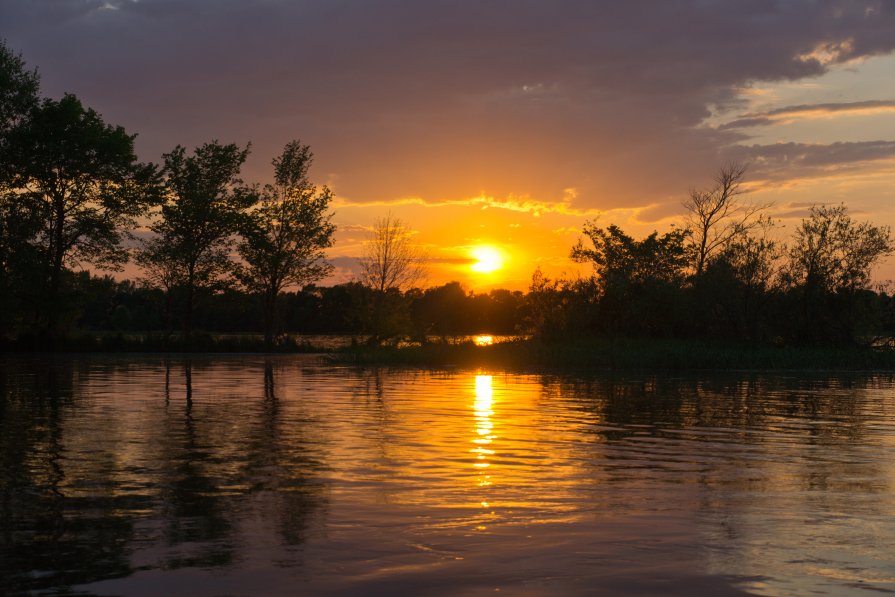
x=498 y=124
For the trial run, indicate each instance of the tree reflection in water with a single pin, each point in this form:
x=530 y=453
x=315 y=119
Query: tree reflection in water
x=85 y=498
x=55 y=522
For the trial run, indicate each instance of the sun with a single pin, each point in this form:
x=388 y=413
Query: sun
x=487 y=260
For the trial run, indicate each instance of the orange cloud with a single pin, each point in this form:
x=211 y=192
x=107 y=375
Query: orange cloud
x=518 y=203
x=790 y=114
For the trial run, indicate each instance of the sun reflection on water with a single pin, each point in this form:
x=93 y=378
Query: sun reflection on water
x=484 y=430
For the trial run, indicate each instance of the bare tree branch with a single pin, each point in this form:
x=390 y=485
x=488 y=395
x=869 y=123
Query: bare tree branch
x=391 y=260
x=717 y=215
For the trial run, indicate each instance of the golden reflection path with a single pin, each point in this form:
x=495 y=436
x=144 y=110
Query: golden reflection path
x=483 y=411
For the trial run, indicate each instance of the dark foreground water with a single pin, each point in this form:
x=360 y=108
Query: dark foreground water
x=246 y=476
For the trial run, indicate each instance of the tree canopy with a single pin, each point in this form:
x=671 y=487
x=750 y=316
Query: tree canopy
x=285 y=235
x=81 y=180
x=204 y=207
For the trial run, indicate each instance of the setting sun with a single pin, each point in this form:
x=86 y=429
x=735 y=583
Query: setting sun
x=487 y=260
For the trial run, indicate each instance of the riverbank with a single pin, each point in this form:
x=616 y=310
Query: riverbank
x=200 y=342
x=519 y=354
x=611 y=354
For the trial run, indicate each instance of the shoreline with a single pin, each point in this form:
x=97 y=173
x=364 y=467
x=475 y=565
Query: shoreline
x=586 y=354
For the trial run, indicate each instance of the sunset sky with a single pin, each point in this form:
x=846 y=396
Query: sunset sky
x=498 y=126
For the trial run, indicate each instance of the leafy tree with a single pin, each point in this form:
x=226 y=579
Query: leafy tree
x=80 y=177
x=637 y=282
x=19 y=260
x=286 y=234
x=829 y=265
x=18 y=221
x=832 y=253
x=160 y=266
x=442 y=310
x=18 y=88
x=740 y=282
x=203 y=209
x=500 y=311
x=543 y=313
x=618 y=257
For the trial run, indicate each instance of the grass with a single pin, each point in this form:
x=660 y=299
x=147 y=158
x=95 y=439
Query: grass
x=529 y=355
x=612 y=354
x=153 y=342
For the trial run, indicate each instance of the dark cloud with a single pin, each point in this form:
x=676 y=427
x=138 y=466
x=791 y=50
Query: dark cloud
x=781 y=161
x=809 y=111
x=445 y=99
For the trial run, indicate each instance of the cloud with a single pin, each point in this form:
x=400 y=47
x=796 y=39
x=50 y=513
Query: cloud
x=811 y=111
x=781 y=161
x=446 y=98
x=521 y=204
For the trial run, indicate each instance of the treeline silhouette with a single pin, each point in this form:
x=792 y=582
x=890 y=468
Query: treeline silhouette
x=72 y=191
x=221 y=255
x=108 y=305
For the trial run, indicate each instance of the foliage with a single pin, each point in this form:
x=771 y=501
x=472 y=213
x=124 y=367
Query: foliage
x=18 y=220
x=556 y=309
x=440 y=310
x=285 y=235
x=828 y=273
x=80 y=179
x=18 y=89
x=833 y=253
x=204 y=207
x=636 y=282
x=739 y=284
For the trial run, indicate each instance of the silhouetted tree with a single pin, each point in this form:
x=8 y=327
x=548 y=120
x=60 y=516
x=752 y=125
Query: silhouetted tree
x=442 y=310
x=82 y=179
x=391 y=263
x=741 y=280
x=717 y=215
x=203 y=209
x=18 y=220
x=829 y=265
x=501 y=310
x=637 y=282
x=161 y=269
x=284 y=238
x=18 y=89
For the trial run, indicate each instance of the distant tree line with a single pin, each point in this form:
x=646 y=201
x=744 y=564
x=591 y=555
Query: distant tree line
x=105 y=304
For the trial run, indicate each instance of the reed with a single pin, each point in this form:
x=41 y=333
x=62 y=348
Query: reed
x=622 y=353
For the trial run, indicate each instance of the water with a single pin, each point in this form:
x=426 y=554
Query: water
x=286 y=476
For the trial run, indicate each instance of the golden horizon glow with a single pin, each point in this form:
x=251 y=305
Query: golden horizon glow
x=488 y=259
x=483 y=340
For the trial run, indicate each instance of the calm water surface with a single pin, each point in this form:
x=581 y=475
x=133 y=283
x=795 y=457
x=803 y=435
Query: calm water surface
x=285 y=476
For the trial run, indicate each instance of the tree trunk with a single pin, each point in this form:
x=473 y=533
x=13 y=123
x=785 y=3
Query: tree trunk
x=270 y=318
x=56 y=256
x=188 y=313
x=169 y=316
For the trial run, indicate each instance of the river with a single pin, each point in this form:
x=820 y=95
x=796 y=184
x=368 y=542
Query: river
x=247 y=475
